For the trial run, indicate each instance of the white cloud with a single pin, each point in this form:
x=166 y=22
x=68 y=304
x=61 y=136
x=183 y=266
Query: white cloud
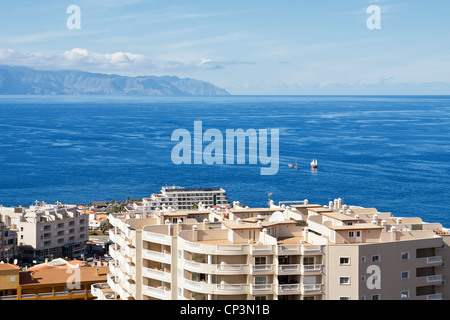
x=118 y=62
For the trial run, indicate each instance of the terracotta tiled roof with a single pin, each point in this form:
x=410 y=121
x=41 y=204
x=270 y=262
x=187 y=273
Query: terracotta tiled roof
x=8 y=266
x=62 y=276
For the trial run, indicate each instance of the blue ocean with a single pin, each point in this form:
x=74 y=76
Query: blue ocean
x=388 y=152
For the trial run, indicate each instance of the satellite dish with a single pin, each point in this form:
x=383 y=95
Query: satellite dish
x=276 y=216
x=15 y=261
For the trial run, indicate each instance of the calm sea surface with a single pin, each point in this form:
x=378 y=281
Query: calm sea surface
x=392 y=153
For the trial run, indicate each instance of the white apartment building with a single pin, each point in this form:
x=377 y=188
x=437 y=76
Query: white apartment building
x=289 y=252
x=180 y=198
x=47 y=230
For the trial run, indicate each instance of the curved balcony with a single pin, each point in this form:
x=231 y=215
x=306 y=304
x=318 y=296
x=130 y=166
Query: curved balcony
x=225 y=269
x=158 y=293
x=157 y=256
x=220 y=289
x=222 y=249
x=157 y=274
x=102 y=291
x=110 y=281
x=156 y=238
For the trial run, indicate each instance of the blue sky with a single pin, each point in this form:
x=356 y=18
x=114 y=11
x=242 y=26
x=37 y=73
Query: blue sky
x=246 y=47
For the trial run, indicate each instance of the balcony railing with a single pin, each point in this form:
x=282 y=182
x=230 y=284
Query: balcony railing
x=211 y=288
x=289 y=288
x=230 y=248
x=261 y=249
x=288 y=249
x=434 y=260
x=310 y=249
x=159 y=293
x=157 y=274
x=261 y=288
x=311 y=268
x=436 y=296
x=434 y=278
x=102 y=291
x=289 y=268
x=216 y=268
x=156 y=238
x=261 y=268
x=60 y=295
x=311 y=288
x=192 y=246
x=230 y=268
x=157 y=256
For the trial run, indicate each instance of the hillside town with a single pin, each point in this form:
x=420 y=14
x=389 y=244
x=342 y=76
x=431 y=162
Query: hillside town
x=194 y=244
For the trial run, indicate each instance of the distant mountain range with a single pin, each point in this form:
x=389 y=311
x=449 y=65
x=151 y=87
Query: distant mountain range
x=27 y=81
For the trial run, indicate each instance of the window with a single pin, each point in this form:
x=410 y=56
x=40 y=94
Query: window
x=363 y=298
x=405 y=275
x=405 y=256
x=376 y=258
x=260 y=260
x=260 y=297
x=363 y=259
x=376 y=297
x=351 y=234
x=344 y=298
x=344 y=280
x=308 y=261
x=344 y=261
x=260 y=280
x=198 y=276
x=404 y=294
x=363 y=278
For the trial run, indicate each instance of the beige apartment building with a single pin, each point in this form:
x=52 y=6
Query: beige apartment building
x=47 y=230
x=8 y=242
x=285 y=252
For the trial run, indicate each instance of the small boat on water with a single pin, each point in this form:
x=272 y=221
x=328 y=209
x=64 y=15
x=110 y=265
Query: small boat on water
x=296 y=166
x=290 y=165
x=314 y=163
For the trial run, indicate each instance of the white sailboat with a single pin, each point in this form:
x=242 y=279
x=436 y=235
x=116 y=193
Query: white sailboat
x=314 y=163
